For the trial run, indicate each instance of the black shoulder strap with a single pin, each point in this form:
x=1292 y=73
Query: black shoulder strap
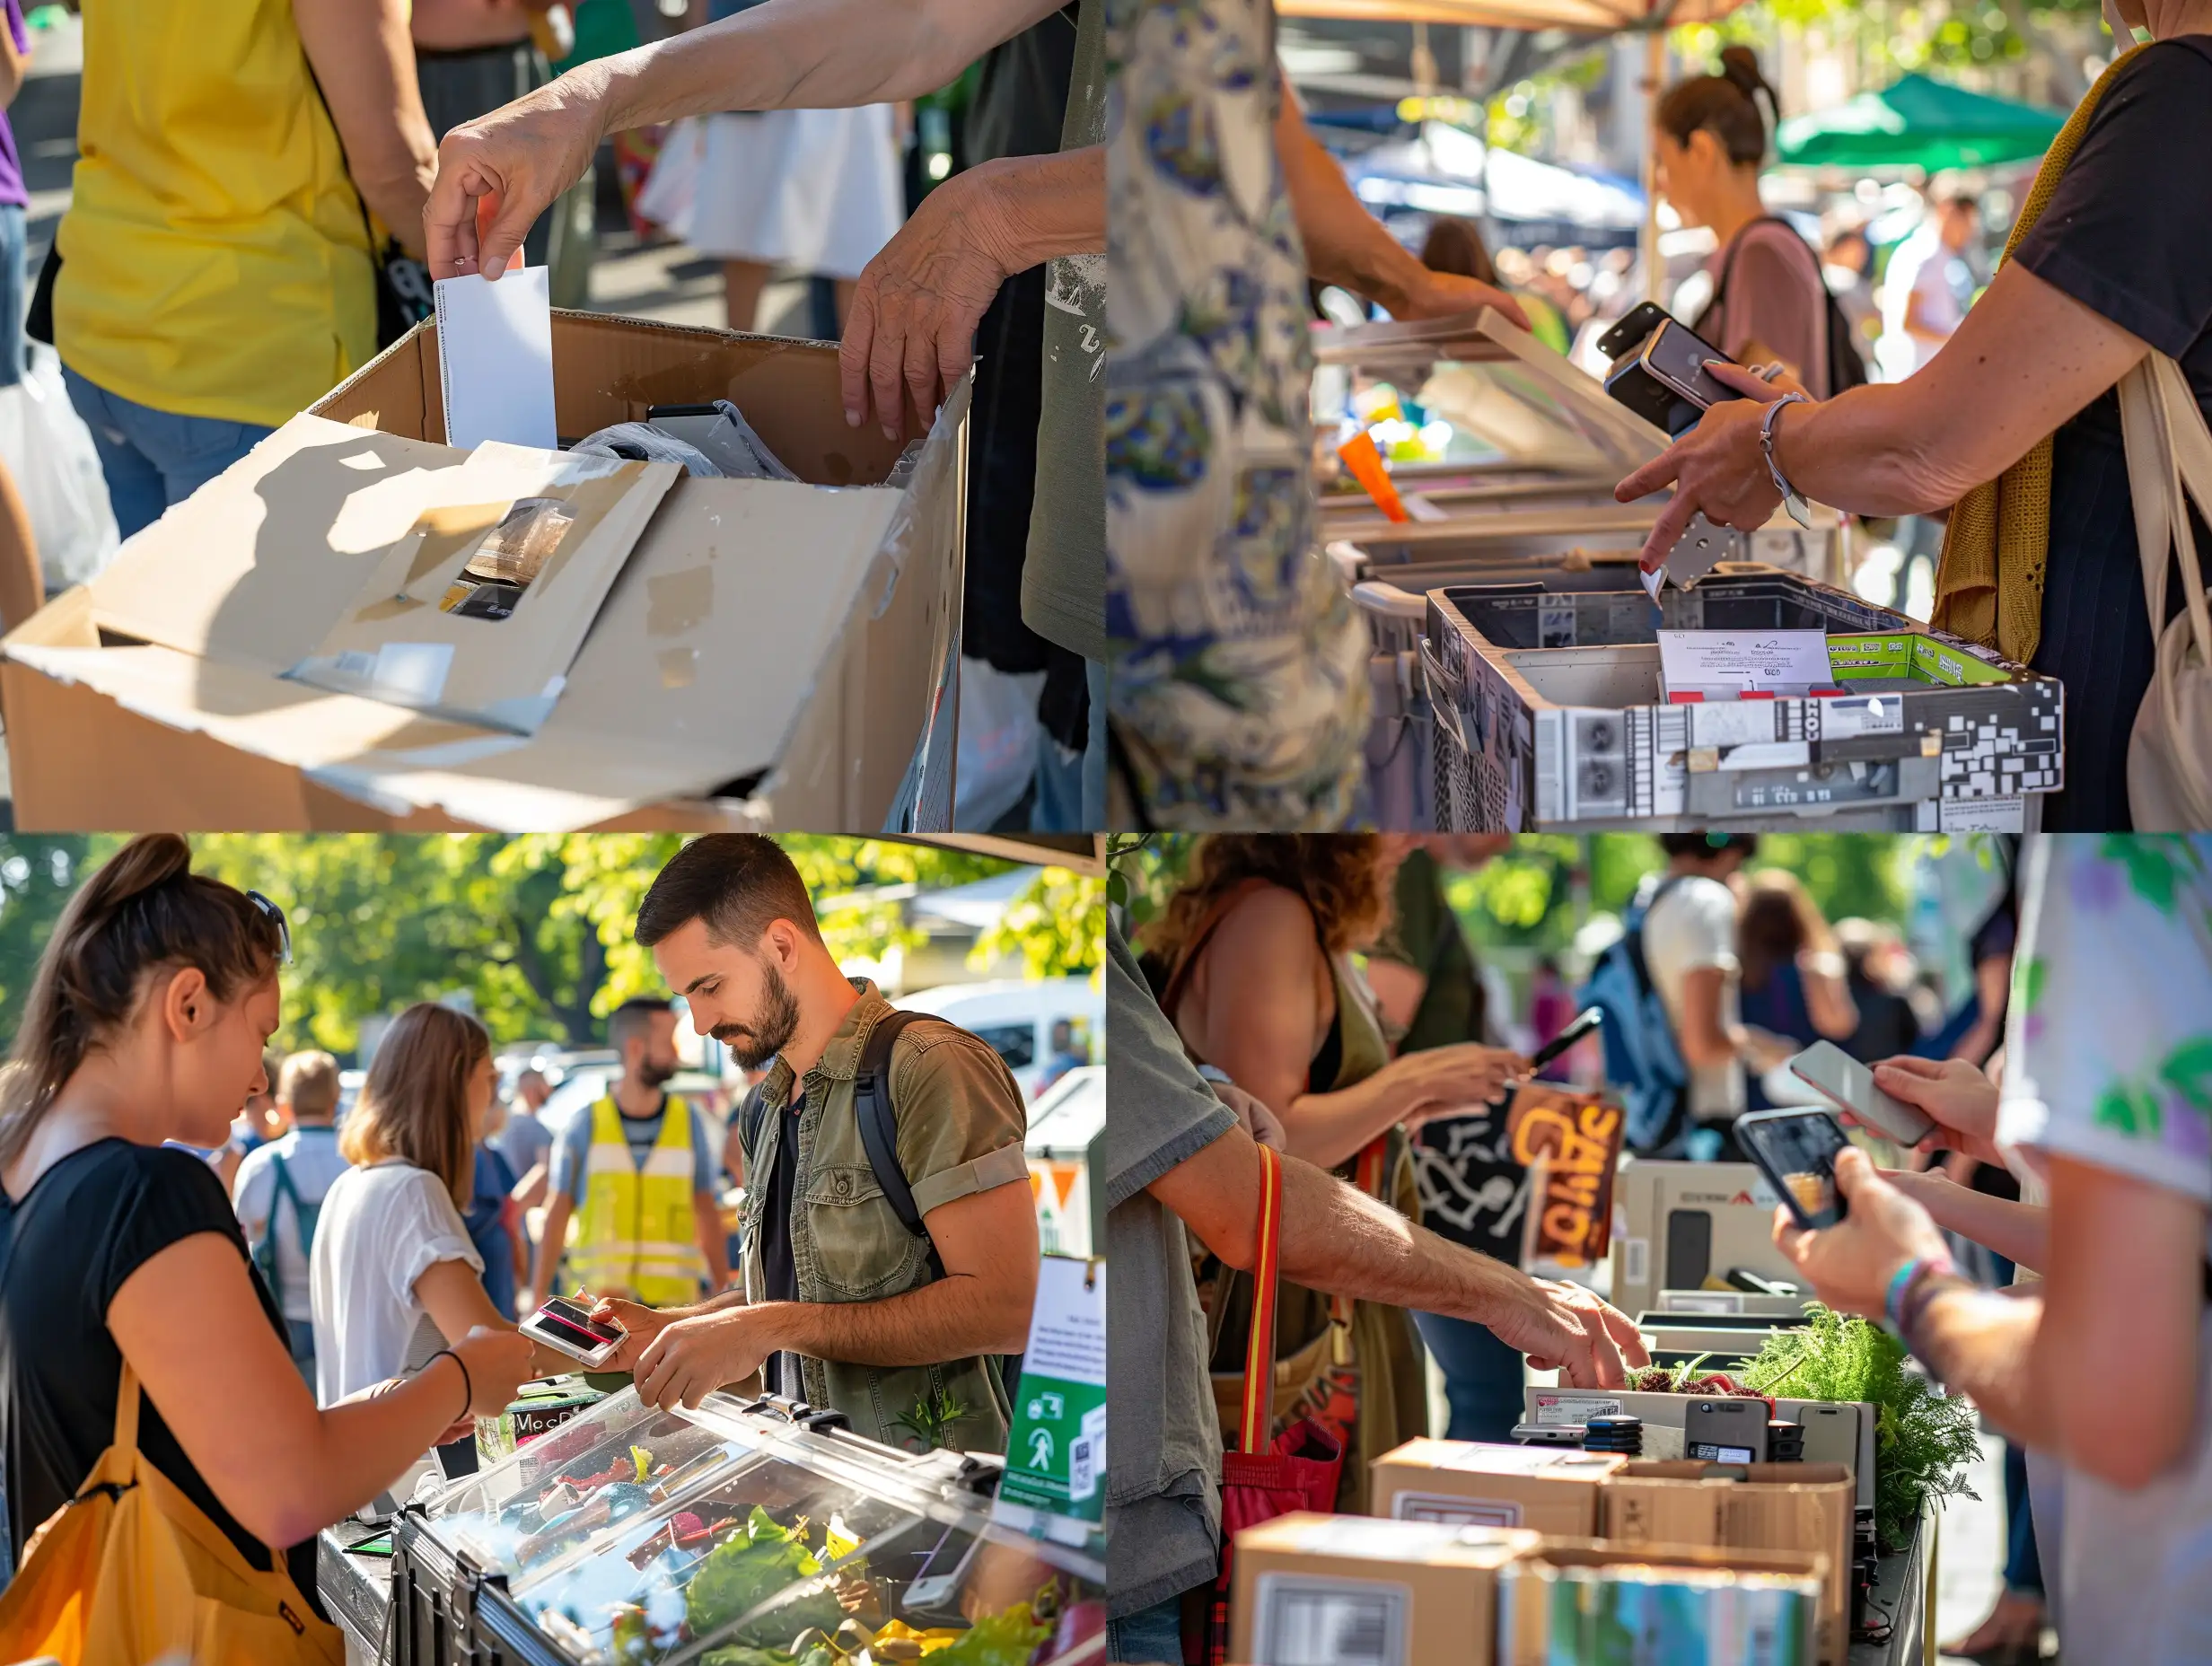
x=879 y=1120
x=749 y=1110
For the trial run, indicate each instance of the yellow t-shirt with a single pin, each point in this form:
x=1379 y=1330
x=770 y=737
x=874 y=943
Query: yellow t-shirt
x=215 y=255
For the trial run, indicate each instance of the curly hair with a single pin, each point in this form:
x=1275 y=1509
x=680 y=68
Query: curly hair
x=1344 y=879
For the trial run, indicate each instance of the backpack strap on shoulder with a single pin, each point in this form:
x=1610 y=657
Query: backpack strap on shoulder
x=879 y=1125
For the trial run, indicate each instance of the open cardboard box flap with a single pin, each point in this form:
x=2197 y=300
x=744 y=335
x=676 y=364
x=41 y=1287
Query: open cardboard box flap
x=758 y=635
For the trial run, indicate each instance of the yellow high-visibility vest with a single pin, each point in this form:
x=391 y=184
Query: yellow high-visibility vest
x=636 y=1235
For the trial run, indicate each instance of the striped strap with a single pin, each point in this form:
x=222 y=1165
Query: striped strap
x=1259 y=1349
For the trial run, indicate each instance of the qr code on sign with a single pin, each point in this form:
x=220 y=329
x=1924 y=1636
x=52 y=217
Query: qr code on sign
x=1314 y=1622
x=1082 y=1466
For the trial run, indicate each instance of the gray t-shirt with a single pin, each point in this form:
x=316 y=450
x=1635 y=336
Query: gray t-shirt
x=1064 y=577
x=525 y=1141
x=1694 y=927
x=1163 y=1490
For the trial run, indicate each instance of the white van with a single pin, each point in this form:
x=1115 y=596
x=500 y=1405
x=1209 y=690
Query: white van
x=1017 y=1017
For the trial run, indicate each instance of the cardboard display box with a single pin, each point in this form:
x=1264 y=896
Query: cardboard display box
x=1688 y=1223
x=1754 y=1607
x=699 y=654
x=1758 y=1506
x=1848 y=1424
x=1385 y=1593
x=1479 y=1483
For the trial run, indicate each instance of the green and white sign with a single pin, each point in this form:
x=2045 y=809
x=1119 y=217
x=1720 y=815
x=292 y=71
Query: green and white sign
x=1055 y=1453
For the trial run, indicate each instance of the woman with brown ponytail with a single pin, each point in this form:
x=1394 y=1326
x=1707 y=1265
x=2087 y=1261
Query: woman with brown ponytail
x=146 y=1023
x=2015 y=423
x=1769 y=295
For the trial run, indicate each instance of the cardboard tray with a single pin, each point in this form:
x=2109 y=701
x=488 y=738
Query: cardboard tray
x=1548 y=718
x=767 y=655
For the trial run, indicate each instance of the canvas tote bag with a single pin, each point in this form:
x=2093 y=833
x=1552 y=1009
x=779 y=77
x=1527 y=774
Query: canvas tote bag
x=130 y=1573
x=2170 y=463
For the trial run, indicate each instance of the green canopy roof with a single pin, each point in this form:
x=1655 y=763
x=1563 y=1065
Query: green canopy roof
x=1919 y=123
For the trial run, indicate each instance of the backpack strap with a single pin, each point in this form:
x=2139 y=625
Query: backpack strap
x=879 y=1125
x=750 y=1110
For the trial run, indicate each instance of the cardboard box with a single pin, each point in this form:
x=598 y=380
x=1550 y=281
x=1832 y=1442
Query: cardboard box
x=1385 y=1593
x=755 y=653
x=1478 y=1483
x=1686 y=1223
x=1678 y=1503
x=1664 y=1416
x=1760 y=1605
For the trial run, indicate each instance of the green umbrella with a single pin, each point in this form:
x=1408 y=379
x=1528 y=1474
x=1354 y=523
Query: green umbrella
x=1919 y=123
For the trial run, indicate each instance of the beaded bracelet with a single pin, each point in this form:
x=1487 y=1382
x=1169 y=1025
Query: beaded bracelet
x=1901 y=1285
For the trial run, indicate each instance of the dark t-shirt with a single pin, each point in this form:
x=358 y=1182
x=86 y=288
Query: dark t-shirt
x=1427 y=937
x=2129 y=234
x=779 y=1273
x=91 y=1222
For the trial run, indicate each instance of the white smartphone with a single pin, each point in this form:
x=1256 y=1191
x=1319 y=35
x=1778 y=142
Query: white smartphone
x=1831 y=1435
x=571 y=1330
x=1833 y=1073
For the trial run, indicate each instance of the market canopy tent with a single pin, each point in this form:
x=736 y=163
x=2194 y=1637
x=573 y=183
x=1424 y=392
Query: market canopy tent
x=1919 y=122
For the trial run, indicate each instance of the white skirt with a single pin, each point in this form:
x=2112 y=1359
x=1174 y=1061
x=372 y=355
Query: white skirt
x=816 y=191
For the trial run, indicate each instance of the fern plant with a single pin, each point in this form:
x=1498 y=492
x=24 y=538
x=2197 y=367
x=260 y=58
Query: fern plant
x=930 y=1418
x=1923 y=1439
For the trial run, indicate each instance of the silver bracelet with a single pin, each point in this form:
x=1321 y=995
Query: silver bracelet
x=1792 y=498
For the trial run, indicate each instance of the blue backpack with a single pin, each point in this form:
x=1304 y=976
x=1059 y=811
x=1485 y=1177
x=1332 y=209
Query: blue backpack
x=1643 y=1061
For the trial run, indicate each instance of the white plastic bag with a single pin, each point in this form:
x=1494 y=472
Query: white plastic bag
x=49 y=455
x=672 y=190
x=998 y=731
x=2169 y=463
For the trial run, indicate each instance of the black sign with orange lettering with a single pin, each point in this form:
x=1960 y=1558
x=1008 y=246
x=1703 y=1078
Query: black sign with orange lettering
x=1570 y=1142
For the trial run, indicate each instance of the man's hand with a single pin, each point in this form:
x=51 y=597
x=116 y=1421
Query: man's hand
x=517 y=159
x=1262 y=1124
x=1717 y=467
x=1562 y=1327
x=1851 y=1264
x=641 y=1325
x=911 y=335
x=1440 y=295
x=1961 y=1099
x=697 y=1355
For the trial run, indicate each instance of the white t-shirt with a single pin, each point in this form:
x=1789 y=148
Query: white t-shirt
x=382 y=1228
x=2109 y=1062
x=1926 y=267
x=313 y=1162
x=1690 y=928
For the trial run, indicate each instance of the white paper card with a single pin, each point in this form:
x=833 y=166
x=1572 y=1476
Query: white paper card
x=1716 y=662
x=496 y=359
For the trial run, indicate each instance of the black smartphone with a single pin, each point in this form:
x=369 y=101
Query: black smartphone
x=1638 y=323
x=1586 y=1020
x=1796 y=1150
x=1726 y=1431
x=1659 y=369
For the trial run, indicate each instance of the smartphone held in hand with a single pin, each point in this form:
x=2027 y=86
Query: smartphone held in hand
x=570 y=1329
x=1835 y=1075
x=1796 y=1150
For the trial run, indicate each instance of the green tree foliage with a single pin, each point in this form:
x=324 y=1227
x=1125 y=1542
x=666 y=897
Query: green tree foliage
x=534 y=930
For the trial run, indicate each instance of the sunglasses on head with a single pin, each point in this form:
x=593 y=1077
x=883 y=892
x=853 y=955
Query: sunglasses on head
x=275 y=918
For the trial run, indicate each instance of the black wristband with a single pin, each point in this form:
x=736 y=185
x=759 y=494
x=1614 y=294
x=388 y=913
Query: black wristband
x=467 y=1383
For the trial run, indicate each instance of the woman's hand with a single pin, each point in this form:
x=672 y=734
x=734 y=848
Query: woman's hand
x=1716 y=467
x=1959 y=1097
x=1450 y=1081
x=498 y=1363
x=1851 y=1265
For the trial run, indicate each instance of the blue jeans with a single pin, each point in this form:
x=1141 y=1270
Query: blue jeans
x=302 y=1333
x=1482 y=1378
x=1071 y=787
x=12 y=297
x=153 y=458
x=1148 y=1635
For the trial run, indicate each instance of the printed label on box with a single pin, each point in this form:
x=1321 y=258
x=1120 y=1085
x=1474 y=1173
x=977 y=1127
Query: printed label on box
x=1847 y=719
x=1982 y=815
x=1304 y=1621
x=1456 y=1512
x=1635 y=1260
x=1573 y=1409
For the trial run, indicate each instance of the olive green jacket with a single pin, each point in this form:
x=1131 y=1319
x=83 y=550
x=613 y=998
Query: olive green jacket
x=961 y=1122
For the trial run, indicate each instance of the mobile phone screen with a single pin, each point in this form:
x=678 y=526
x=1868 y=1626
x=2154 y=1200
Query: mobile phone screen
x=575 y=1324
x=1797 y=1151
x=1679 y=357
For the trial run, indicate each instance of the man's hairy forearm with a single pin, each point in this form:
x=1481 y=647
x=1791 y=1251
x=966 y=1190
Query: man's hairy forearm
x=1980 y=1343
x=953 y=1318
x=1336 y=1238
x=806 y=55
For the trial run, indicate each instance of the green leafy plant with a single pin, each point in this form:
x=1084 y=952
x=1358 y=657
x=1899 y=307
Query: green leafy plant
x=930 y=1418
x=1923 y=1439
x=748 y=1568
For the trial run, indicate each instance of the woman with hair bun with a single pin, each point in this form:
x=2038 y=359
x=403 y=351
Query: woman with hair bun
x=146 y=1023
x=1769 y=295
